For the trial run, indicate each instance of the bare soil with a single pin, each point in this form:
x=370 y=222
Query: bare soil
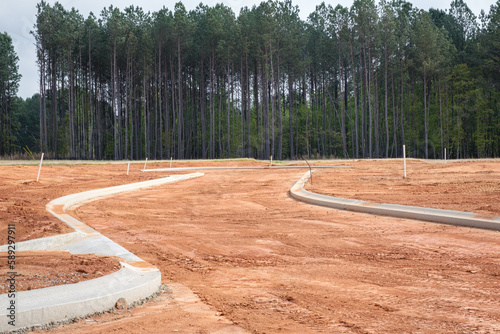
x=461 y=186
x=239 y=255
x=50 y=268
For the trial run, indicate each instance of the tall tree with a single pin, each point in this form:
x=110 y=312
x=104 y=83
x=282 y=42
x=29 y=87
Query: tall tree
x=9 y=84
x=204 y=83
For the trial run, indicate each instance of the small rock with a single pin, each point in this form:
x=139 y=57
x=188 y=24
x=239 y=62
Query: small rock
x=121 y=304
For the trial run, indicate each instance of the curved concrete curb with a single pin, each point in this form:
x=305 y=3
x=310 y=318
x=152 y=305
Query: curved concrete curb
x=234 y=168
x=66 y=302
x=450 y=217
x=136 y=279
x=44 y=243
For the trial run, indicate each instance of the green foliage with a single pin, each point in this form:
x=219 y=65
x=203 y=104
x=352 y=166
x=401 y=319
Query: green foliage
x=9 y=104
x=347 y=82
x=28 y=132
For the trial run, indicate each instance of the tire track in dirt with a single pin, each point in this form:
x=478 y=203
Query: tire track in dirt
x=270 y=264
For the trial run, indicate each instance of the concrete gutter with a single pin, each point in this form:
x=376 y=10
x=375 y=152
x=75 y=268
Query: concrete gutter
x=450 y=217
x=136 y=279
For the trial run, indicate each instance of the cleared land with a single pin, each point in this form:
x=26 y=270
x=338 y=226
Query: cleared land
x=238 y=254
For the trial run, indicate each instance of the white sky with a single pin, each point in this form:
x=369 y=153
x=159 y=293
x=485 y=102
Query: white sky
x=17 y=18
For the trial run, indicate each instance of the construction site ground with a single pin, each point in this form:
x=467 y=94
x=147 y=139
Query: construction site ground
x=238 y=254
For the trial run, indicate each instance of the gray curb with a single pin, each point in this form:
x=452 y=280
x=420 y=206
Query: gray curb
x=449 y=217
x=44 y=243
x=234 y=168
x=136 y=279
x=63 y=303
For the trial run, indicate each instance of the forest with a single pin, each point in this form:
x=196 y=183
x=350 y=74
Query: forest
x=356 y=82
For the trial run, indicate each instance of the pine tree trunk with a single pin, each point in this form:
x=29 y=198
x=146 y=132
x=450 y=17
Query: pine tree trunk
x=212 y=106
x=203 y=111
x=55 y=125
x=440 y=118
x=290 y=114
x=385 y=97
x=167 y=113
x=113 y=102
x=342 y=101
x=280 y=114
x=355 y=87
x=180 y=149
x=426 y=125
x=273 y=102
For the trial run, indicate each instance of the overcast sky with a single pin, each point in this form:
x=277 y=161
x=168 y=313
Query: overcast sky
x=17 y=18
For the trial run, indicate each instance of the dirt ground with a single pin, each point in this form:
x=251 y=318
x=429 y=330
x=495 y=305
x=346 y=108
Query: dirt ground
x=239 y=255
x=460 y=186
x=50 y=268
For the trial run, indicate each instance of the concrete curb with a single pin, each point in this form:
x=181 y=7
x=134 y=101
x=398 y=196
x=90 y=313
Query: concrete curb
x=234 y=168
x=44 y=243
x=66 y=302
x=449 y=217
x=136 y=279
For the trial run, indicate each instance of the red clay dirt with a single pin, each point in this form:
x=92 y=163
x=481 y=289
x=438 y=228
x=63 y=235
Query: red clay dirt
x=239 y=255
x=460 y=186
x=22 y=203
x=50 y=268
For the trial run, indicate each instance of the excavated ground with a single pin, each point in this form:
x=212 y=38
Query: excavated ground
x=235 y=250
x=49 y=268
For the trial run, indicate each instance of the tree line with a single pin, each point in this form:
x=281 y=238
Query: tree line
x=356 y=82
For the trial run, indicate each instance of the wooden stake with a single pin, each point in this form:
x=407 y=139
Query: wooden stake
x=404 y=159
x=39 y=168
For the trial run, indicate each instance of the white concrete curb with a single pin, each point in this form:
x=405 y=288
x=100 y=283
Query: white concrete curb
x=450 y=217
x=136 y=280
x=233 y=168
x=44 y=243
x=65 y=302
